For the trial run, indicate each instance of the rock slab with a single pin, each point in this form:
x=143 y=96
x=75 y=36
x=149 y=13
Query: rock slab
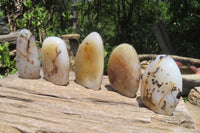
x=8 y=129
x=194 y=96
x=41 y=106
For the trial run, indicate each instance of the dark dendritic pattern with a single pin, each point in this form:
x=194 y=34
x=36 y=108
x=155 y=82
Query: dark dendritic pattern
x=161 y=83
x=27 y=55
x=153 y=87
x=55 y=61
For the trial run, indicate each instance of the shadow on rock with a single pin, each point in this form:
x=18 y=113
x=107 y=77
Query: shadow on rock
x=140 y=103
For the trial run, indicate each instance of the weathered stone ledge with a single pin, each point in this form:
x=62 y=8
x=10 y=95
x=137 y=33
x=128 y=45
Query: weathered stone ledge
x=40 y=106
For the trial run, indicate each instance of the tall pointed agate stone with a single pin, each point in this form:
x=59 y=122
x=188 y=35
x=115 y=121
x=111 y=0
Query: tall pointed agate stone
x=124 y=70
x=27 y=56
x=55 y=61
x=89 y=62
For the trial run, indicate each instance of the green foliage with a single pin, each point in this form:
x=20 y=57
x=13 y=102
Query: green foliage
x=184 y=27
x=28 y=3
x=46 y=18
x=185 y=99
x=34 y=18
x=125 y=21
x=107 y=52
x=119 y=21
x=7 y=66
x=1 y=13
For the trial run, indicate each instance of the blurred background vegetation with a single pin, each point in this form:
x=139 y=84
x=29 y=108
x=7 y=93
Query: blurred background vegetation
x=117 y=21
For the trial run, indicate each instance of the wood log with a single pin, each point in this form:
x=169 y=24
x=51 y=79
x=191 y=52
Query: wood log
x=184 y=60
x=189 y=82
x=41 y=106
x=72 y=43
x=10 y=38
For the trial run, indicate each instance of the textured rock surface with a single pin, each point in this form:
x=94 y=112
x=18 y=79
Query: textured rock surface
x=194 y=111
x=189 y=82
x=41 y=106
x=8 y=129
x=194 y=96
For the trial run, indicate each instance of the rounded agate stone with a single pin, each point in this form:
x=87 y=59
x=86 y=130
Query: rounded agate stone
x=89 y=62
x=161 y=85
x=124 y=70
x=27 y=56
x=55 y=61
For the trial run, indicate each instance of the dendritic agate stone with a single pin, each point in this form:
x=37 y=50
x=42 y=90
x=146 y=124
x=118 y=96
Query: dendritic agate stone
x=27 y=56
x=89 y=62
x=161 y=85
x=124 y=70
x=55 y=61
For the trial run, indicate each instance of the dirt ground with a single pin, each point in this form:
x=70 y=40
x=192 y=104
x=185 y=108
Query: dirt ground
x=194 y=111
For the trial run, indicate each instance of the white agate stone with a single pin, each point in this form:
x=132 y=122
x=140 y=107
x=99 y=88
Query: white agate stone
x=161 y=85
x=89 y=62
x=55 y=61
x=124 y=70
x=27 y=56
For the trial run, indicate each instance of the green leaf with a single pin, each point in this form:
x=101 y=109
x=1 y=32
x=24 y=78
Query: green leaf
x=35 y=12
x=27 y=16
x=36 y=23
x=6 y=59
x=185 y=99
x=1 y=13
x=6 y=45
x=14 y=70
x=28 y=3
x=63 y=14
x=1 y=48
x=105 y=53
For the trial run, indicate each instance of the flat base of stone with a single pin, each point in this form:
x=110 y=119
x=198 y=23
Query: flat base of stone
x=41 y=106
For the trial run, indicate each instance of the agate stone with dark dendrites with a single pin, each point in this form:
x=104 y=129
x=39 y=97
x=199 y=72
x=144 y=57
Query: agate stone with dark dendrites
x=27 y=55
x=55 y=61
x=161 y=85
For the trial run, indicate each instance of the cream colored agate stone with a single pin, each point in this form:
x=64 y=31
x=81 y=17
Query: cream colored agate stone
x=27 y=56
x=55 y=61
x=161 y=85
x=124 y=70
x=89 y=62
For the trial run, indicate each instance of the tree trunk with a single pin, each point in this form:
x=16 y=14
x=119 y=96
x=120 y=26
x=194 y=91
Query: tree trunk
x=74 y=17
